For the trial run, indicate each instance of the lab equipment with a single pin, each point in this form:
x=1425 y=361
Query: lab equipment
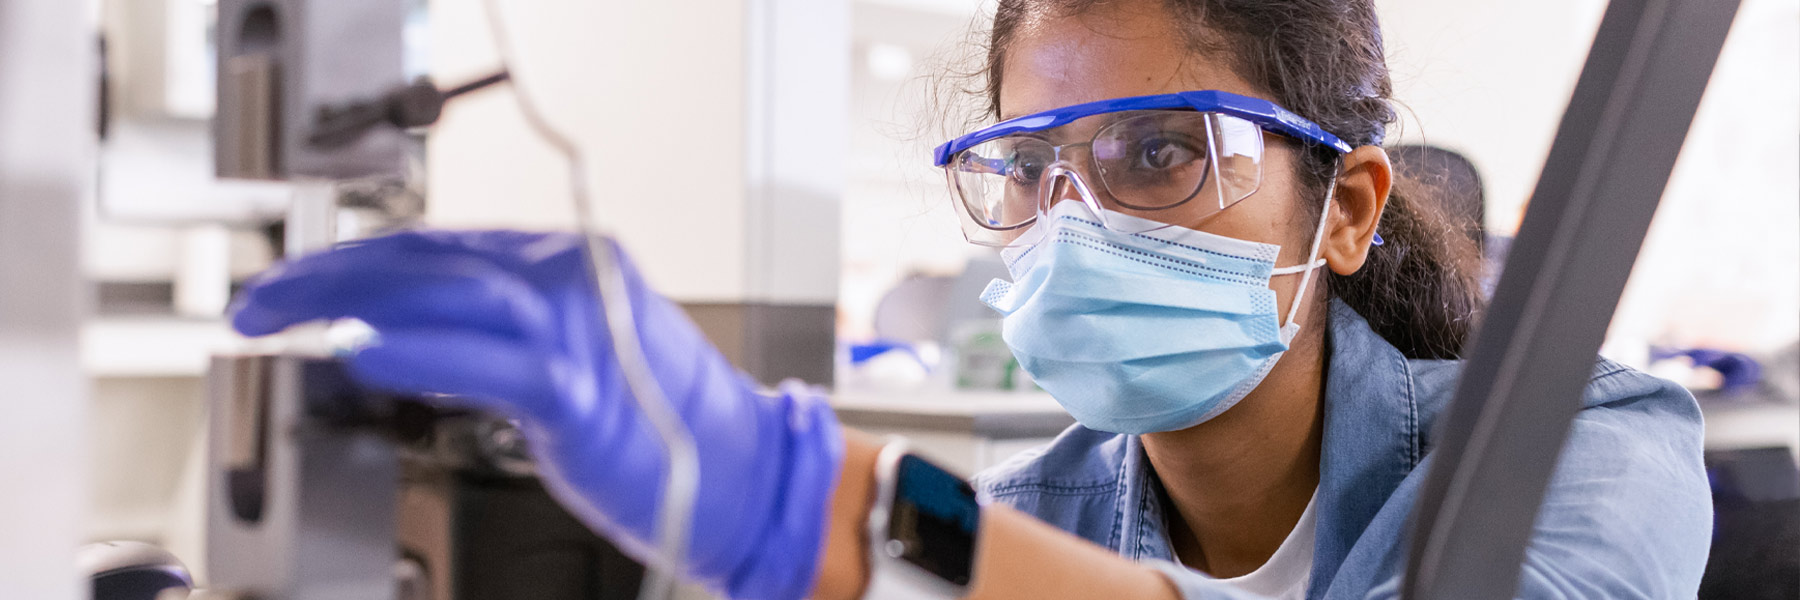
x=381 y=496
x=312 y=92
x=416 y=104
x=275 y=524
x=280 y=62
x=1500 y=439
x=980 y=359
x=1170 y=158
x=885 y=364
x=958 y=337
x=1145 y=332
x=505 y=321
x=133 y=571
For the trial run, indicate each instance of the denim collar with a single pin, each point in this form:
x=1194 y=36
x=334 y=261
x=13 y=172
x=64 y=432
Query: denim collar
x=1373 y=438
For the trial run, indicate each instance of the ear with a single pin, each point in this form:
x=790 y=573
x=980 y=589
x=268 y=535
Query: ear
x=1363 y=183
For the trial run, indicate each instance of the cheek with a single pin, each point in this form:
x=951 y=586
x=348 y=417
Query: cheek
x=1275 y=214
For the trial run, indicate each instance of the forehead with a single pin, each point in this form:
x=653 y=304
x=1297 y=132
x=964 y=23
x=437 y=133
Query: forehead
x=1112 y=51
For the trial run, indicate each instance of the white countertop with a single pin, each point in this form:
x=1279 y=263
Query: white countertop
x=993 y=414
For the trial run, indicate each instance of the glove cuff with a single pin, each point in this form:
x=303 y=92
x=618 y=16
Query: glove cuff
x=787 y=566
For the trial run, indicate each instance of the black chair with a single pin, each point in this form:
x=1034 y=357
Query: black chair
x=1756 y=525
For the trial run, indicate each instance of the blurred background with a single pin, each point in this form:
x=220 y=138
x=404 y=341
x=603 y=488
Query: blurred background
x=768 y=166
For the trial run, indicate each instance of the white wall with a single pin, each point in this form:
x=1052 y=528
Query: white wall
x=1489 y=80
x=653 y=90
x=1717 y=269
x=897 y=212
x=715 y=135
x=1721 y=266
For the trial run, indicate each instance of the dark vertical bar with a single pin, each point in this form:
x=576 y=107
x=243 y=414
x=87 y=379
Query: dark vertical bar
x=1500 y=439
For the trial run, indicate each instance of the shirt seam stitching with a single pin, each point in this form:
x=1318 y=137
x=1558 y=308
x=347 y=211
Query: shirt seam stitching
x=1614 y=370
x=1116 y=538
x=1045 y=488
x=1414 y=446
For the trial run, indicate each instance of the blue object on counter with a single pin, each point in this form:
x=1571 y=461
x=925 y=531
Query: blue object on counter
x=1737 y=371
x=860 y=353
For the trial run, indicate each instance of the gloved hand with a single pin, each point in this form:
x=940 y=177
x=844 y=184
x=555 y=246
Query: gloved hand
x=507 y=321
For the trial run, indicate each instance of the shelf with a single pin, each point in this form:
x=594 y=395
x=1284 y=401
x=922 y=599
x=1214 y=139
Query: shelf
x=152 y=346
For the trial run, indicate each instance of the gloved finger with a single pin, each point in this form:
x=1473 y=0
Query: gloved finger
x=393 y=290
x=511 y=250
x=470 y=368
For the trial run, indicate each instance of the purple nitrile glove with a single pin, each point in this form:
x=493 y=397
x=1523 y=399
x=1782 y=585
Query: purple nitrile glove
x=507 y=321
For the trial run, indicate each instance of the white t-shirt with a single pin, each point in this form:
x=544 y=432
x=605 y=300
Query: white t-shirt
x=1288 y=571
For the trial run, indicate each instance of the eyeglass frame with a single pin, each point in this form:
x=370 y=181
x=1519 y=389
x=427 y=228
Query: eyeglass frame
x=1263 y=113
x=1266 y=115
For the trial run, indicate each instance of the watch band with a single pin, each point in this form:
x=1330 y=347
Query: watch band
x=922 y=528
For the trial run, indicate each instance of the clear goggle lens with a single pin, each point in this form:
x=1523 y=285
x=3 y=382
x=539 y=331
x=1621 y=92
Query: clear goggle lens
x=1167 y=167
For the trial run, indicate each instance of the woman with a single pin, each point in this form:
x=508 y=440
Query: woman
x=1254 y=331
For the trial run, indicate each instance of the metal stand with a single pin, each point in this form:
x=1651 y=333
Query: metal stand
x=301 y=499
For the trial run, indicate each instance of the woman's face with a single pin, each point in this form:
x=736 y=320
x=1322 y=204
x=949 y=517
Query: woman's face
x=1133 y=49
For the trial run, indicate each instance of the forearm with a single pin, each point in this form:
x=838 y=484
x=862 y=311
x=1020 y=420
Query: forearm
x=843 y=566
x=1016 y=555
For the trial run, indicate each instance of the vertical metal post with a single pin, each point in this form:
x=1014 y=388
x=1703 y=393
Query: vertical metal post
x=298 y=508
x=1500 y=439
x=280 y=61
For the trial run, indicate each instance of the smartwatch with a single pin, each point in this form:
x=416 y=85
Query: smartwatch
x=922 y=528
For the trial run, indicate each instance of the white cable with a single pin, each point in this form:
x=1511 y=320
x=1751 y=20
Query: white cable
x=681 y=481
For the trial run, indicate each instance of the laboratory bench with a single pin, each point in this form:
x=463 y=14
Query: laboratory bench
x=965 y=431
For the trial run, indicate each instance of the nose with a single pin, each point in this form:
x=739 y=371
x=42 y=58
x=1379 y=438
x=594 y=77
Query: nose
x=1062 y=187
x=1066 y=182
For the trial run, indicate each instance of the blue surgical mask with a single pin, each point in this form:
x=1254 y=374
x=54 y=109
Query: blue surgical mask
x=1143 y=332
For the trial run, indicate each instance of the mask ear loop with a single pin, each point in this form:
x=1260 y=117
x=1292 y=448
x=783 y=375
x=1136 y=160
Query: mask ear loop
x=1313 y=262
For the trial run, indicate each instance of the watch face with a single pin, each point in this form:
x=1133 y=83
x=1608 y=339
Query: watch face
x=933 y=521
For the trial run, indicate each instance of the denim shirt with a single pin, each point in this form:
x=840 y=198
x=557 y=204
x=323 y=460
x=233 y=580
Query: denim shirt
x=1628 y=513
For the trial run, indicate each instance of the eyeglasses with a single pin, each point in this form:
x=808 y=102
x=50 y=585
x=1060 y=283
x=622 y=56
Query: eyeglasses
x=1171 y=158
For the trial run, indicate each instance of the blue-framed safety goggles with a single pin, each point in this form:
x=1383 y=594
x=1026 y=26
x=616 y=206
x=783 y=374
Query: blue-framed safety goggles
x=1170 y=159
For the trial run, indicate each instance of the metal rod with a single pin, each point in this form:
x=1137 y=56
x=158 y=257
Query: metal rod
x=465 y=88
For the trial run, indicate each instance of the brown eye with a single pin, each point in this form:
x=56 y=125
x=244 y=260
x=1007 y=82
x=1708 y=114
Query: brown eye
x=1027 y=163
x=1157 y=154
